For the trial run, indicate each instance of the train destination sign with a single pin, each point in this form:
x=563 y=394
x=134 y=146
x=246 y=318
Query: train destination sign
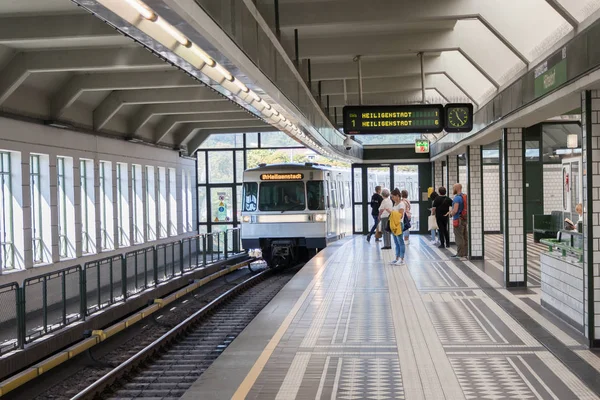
x=420 y=118
x=281 y=177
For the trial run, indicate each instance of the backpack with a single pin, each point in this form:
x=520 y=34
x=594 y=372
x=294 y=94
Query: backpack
x=463 y=213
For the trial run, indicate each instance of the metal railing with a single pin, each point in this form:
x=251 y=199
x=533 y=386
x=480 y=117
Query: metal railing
x=48 y=302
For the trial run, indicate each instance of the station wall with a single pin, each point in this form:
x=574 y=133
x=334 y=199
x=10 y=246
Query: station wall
x=69 y=197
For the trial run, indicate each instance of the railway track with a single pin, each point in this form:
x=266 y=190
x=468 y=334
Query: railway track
x=170 y=364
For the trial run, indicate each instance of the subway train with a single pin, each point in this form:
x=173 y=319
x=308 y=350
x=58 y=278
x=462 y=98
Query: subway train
x=291 y=211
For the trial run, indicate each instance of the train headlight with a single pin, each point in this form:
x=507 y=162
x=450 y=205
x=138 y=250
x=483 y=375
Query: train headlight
x=246 y=218
x=320 y=217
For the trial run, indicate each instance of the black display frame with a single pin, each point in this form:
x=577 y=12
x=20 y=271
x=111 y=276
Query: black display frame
x=350 y=130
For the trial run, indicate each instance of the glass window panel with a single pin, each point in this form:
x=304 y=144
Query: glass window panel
x=407 y=177
x=358 y=218
x=202 y=229
x=532 y=150
x=281 y=196
x=316 y=195
x=414 y=217
x=238 y=203
x=202 y=211
x=357 y=185
x=221 y=204
x=6 y=212
x=252 y=139
x=224 y=141
x=277 y=139
x=378 y=177
x=137 y=203
x=239 y=166
x=220 y=167
x=201 y=156
x=249 y=196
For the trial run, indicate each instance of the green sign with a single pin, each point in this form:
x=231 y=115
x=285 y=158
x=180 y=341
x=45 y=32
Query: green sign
x=421 y=146
x=551 y=73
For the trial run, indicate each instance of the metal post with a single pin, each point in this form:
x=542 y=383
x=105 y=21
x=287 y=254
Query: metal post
x=328 y=113
x=64 y=298
x=21 y=328
x=124 y=277
x=345 y=92
x=319 y=88
x=360 y=87
x=335 y=117
x=225 y=241
x=297 y=61
x=45 y=305
x=277 y=27
x=181 y=266
x=82 y=293
x=422 y=79
x=203 y=250
x=309 y=76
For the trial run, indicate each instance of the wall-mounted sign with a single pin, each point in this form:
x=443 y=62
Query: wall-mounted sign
x=420 y=118
x=281 y=177
x=421 y=146
x=551 y=73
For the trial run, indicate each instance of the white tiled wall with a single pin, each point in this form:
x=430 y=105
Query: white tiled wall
x=462 y=177
x=475 y=201
x=452 y=179
x=491 y=198
x=594 y=171
x=553 y=188
x=437 y=174
x=513 y=200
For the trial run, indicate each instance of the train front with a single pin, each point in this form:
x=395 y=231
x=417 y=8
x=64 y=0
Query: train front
x=283 y=212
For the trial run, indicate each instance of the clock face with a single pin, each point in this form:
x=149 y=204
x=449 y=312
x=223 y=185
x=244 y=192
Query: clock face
x=458 y=117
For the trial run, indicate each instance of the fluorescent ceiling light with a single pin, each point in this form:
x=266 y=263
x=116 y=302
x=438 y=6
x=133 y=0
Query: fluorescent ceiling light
x=142 y=9
x=241 y=85
x=205 y=57
x=171 y=30
x=226 y=74
x=267 y=105
x=255 y=96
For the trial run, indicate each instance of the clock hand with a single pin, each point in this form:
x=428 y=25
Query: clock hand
x=457 y=116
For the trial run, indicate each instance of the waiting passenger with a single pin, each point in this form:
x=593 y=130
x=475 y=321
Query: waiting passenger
x=434 y=239
x=376 y=200
x=459 y=221
x=396 y=225
x=408 y=214
x=384 y=218
x=442 y=205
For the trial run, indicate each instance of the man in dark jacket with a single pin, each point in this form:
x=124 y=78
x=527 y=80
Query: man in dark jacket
x=442 y=205
x=376 y=200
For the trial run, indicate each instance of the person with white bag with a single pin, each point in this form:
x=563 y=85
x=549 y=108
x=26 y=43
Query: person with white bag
x=432 y=220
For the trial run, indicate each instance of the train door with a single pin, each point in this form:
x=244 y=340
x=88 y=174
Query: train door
x=334 y=203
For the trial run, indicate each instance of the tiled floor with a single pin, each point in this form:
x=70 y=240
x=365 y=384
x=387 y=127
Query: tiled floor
x=351 y=326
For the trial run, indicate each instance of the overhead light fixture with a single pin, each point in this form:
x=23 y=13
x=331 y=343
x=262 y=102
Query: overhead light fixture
x=173 y=32
x=226 y=74
x=142 y=9
x=205 y=57
x=255 y=96
x=241 y=85
x=572 y=141
x=267 y=105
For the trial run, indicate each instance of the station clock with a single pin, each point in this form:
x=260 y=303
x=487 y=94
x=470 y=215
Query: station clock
x=458 y=117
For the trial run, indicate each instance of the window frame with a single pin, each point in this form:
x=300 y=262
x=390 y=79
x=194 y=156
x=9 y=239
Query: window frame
x=7 y=217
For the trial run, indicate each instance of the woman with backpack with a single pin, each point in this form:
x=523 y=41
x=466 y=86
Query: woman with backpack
x=396 y=225
x=406 y=203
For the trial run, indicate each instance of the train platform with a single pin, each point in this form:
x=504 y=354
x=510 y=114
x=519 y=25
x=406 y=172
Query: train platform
x=351 y=326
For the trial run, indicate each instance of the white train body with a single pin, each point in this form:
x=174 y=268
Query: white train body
x=292 y=209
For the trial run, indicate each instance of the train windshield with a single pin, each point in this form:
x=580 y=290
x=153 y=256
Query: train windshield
x=281 y=196
x=316 y=195
x=249 y=197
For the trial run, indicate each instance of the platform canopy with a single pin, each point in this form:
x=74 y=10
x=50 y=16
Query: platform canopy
x=62 y=65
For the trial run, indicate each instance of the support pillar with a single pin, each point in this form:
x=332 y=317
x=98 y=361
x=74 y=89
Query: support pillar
x=452 y=164
x=475 y=202
x=513 y=211
x=437 y=174
x=590 y=107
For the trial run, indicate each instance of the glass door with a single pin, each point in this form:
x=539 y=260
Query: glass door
x=406 y=177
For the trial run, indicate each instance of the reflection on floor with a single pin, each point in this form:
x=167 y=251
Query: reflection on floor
x=494 y=247
x=435 y=328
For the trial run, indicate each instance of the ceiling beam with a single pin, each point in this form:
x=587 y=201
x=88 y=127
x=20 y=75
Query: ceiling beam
x=146 y=113
x=167 y=125
x=187 y=131
x=27 y=63
x=121 y=98
x=79 y=84
x=17 y=30
x=405 y=66
x=563 y=12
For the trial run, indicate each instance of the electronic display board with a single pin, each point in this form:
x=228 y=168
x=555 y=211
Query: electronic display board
x=418 y=118
x=281 y=177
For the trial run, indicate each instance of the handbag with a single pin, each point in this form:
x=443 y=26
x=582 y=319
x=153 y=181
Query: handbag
x=432 y=222
x=406 y=222
x=387 y=227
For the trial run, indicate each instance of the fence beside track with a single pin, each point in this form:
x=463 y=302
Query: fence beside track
x=48 y=302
